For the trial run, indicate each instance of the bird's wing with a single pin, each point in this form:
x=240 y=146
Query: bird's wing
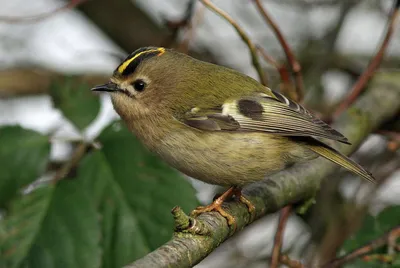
x=273 y=113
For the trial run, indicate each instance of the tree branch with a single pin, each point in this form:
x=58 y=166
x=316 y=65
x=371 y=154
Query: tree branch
x=276 y=250
x=295 y=66
x=387 y=238
x=375 y=62
x=197 y=238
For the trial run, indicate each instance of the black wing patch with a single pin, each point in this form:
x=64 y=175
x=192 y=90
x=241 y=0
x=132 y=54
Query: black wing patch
x=250 y=108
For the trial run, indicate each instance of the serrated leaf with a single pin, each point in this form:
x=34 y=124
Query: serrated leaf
x=135 y=192
x=24 y=155
x=21 y=225
x=73 y=97
x=69 y=236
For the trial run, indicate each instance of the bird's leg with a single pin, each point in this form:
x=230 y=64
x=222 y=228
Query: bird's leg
x=216 y=206
x=251 y=208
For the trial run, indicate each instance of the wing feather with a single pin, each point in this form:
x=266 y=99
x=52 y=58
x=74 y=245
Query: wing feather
x=261 y=112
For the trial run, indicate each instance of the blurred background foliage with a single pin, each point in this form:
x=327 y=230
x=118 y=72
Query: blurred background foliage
x=78 y=190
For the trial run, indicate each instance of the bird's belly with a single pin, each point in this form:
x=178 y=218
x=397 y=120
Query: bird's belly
x=226 y=158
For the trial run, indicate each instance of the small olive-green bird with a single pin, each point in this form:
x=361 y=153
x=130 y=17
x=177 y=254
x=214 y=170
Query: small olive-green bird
x=216 y=124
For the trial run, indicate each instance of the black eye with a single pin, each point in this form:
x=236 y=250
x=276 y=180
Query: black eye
x=139 y=85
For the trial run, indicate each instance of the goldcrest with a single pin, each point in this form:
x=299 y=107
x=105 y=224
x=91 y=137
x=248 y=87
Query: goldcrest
x=215 y=124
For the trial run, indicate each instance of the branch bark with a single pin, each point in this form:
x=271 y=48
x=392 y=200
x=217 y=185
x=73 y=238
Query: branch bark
x=194 y=239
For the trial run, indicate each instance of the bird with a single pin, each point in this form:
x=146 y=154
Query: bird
x=216 y=124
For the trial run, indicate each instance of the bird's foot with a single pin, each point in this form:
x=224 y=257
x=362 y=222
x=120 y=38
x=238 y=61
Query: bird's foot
x=250 y=207
x=216 y=206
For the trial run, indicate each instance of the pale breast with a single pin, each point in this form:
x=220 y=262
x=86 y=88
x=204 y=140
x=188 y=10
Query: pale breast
x=227 y=158
x=217 y=157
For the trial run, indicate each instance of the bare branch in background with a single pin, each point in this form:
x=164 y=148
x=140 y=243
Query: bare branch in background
x=351 y=213
x=138 y=30
x=176 y=26
x=388 y=238
x=36 y=18
x=276 y=251
x=284 y=259
x=243 y=36
x=286 y=85
x=291 y=58
x=375 y=62
x=310 y=3
x=190 y=29
x=268 y=58
x=317 y=56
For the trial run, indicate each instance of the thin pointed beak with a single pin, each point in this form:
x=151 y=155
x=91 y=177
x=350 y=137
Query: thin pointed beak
x=109 y=87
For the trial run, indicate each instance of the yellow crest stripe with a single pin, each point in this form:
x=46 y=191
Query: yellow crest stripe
x=123 y=66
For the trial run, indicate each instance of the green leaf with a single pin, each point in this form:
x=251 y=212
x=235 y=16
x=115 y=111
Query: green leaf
x=114 y=211
x=21 y=225
x=24 y=155
x=69 y=236
x=73 y=97
x=373 y=227
x=135 y=192
x=51 y=227
x=123 y=239
x=396 y=260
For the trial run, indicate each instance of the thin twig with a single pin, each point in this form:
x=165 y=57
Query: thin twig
x=268 y=58
x=243 y=36
x=190 y=29
x=77 y=155
x=287 y=87
x=276 y=251
x=42 y=16
x=383 y=258
x=393 y=234
x=176 y=26
x=294 y=64
x=374 y=64
x=284 y=259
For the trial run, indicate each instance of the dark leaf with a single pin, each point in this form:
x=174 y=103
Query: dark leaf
x=69 y=235
x=373 y=227
x=24 y=155
x=135 y=192
x=21 y=225
x=74 y=98
x=114 y=211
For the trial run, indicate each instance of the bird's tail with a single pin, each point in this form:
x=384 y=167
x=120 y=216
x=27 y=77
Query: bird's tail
x=336 y=157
